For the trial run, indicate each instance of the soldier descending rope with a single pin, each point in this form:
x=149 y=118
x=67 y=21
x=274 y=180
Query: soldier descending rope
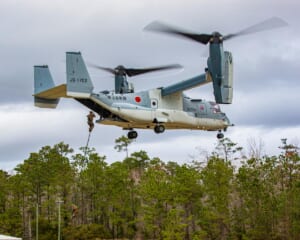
x=90 y=120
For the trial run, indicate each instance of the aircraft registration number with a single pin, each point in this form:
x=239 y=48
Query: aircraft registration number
x=78 y=80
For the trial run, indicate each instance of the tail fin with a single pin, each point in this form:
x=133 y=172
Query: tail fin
x=42 y=82
x=79 y=83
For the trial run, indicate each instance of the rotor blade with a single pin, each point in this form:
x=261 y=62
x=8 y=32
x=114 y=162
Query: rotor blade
x=161 y=27
x=268 y=24
x=110 y=70
x=135 y=71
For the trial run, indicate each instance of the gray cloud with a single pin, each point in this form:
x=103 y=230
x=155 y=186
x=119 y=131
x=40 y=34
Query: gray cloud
x=110 y=33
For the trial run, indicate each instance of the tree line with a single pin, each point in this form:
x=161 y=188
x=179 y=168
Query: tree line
x=146 y=198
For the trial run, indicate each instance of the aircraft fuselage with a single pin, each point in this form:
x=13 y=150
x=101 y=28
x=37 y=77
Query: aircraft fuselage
x=147 y=109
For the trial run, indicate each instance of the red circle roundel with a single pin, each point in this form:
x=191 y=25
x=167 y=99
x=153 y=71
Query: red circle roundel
x=138 y=99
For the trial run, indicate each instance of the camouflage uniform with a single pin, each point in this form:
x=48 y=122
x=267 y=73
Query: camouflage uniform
x=90 y=120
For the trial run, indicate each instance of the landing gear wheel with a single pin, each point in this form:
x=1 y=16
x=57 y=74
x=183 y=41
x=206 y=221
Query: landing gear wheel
x=132 y=134
x=159 y=129
x=220 y=135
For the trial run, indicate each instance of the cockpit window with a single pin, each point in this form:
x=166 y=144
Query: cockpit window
x=215 y=107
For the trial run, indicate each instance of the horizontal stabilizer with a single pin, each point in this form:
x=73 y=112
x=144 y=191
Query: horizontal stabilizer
x=53 y=93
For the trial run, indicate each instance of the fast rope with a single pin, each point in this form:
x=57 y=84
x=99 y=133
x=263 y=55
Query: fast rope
x=90 y=121
x=87 y=144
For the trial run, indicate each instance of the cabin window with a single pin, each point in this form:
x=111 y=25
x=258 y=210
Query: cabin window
x=154 y=103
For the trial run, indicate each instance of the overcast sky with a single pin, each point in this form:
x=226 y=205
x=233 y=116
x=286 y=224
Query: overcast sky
x=109 y=33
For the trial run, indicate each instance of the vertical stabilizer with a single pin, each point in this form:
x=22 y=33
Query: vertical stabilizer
x=79 y=84
x=43 y=81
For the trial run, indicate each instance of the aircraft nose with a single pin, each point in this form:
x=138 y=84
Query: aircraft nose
x=227 y=121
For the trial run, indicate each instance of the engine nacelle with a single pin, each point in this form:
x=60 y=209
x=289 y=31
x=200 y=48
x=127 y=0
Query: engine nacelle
x=220 y=70
x=226 y=84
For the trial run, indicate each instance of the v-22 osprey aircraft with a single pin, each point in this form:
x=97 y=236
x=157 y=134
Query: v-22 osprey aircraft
x=159 y=108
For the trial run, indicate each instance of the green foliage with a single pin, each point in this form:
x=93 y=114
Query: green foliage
x=122 y=144
x=47 y=229
x=86 y=232
x=11 y=222
x=144 y=198
x=217 y=179
x=3 y=190
x=174 y=228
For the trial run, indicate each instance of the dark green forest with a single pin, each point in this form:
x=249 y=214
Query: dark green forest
x=225 y=194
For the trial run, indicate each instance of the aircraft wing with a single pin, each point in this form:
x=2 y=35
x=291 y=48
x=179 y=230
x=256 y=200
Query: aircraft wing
x=53 y=93
x=187 y=84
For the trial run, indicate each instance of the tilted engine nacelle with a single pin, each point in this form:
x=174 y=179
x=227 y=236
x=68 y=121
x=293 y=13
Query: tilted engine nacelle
x=226 y=85
x=221 y=73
